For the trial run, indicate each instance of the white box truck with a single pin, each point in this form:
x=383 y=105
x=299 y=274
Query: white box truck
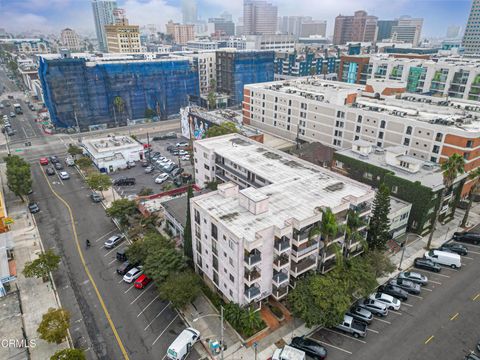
x=288 y=353
x=183 y=344
x=444 y=258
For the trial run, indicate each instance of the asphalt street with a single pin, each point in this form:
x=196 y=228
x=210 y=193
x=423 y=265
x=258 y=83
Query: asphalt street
x=439 y=324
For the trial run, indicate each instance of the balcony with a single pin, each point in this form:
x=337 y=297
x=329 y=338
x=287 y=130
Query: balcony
x=279 y=292
x=252 y=276
x=238 y=174
x=299 y=237
x=280 y=262
x=298 y=268
x=281 y=245
x=341 y=217
x=330 y=251
x=307 y=249
x=252 y=258
x=279 y=278
x=328 y=265
x=252 y=293
x=362 y=208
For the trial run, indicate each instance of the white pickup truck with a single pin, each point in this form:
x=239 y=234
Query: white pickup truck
x=288 y=353
x=352 y=326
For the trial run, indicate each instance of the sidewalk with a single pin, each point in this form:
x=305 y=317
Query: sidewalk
x=36 y=296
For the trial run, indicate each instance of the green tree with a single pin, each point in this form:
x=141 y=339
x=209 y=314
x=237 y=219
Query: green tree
x=74 y=150
x=139 y=250
x=379 y=262
x=212 y=185
x=12 y=66
x=247 y=321
x=328 y=228
x=161 y=263
x=150 y=113
x=145 y=191
x=122 y=209
x=99 y=182
x=84 y=163
x=43 y=265
x=224 y=128
x=119 y=106
x=212 y=99
x=473 y=176
x=168 y=186
x=451 y=168
x=54 y=325
x=19 y=177
x=69 y=354
x=187 y=231
x=180 y=288
x=379 y=229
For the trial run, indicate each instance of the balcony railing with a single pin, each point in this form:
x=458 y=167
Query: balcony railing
x=252 y=293
x=362 y=208
x=298 y=268
x=252 y=259
x=281 y=261
x=279 y=292
x=281 y=245
x=328 y=265
x=279 y=278
x=303 y=251
x=252 y=275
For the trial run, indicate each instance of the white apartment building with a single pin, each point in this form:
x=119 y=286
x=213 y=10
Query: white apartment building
x=336 y=114
x=206 y=63
x=69 y=39
x=254 y=236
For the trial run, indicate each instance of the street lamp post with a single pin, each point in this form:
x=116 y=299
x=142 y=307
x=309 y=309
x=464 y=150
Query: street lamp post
x=221 y=328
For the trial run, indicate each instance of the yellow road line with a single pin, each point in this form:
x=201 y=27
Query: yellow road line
x=454 y=316
x=428 y=340
x=90 y=277
x=476 y=297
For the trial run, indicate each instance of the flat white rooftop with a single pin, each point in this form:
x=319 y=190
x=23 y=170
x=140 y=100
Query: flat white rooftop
x=99 y=147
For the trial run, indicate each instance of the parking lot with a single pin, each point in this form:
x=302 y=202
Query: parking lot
x=143 y=180
x=439 y=323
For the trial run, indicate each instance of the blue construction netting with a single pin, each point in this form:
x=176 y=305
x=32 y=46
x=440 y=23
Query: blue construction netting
x=83 y=94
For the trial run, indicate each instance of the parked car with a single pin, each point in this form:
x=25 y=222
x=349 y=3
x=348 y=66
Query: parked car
x=407 y=285
x=467 y=237
x=161 y=178
x=113 y=241
x=170 y=148
x=144 y=163
x=124 y=182
x=352 y=326
x=50 y=171
x=426 y=264
x=12 y=114
x=148 y=169
x=33 y=207
x=185 y=157
x=132 y=274
x=182 y=152
x=455 y=248
x=53 y=159
x=288 y=353
x=414 y=277
x=69 y=161
x=142 y=281
x=310 y=347
x=121 y=256
x=181 y=144
x=394 y=291
x=361 y=314
x=446 y=258
x=124 y=267
x=176 y=171
x=64 y=175
x=183 y=344
x=130 y=164
x=175 y=151
x=471 y=356
x=390 y=301
x=96 y=197
x=375 y=307
x=58 y=166
x=43 y=161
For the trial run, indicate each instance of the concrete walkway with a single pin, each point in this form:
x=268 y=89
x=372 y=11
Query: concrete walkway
x=36 y=296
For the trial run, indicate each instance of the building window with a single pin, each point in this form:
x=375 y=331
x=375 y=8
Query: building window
x=466 y=155
x=340 y=114
x=231 y=245
x=433 y=159
x=409 y=130
x=357 y=129
x=214 y=231
x=380 y=135
x=359 y=118
x=394 y=189
x=206 y=167
x=469 y=143
x=197 y=216
x=382 y=124
x=439 y=137
x=379 y=144
x=436 y=149
x=232 y=279
x=356 y=137
x=406 y=141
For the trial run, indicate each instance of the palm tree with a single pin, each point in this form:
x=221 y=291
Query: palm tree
x=328 y=227
x=475 y=177
x=119 y=105
x=450 y=170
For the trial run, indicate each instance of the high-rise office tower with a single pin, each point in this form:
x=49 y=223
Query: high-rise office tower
x=359 y=27
x=259 y=17
x=471 y=38
x=189 y=11
x=103 y=15
x=408 y=30
x=385 y=29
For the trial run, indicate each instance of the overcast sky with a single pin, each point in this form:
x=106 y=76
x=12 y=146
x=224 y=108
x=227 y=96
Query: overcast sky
x=52 y=15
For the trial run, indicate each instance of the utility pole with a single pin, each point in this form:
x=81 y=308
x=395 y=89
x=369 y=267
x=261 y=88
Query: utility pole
x=404 y=246
x=221 y=333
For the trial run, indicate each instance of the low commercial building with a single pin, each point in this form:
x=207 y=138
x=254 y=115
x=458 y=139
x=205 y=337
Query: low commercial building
x=175 y=212
x=257 y=234
x=112 y=153
x=409 y=179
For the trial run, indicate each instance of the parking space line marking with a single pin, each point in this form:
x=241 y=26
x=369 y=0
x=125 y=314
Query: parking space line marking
x=429 y=339
x=160 y=313
x=448 y=267
x=130 y=288
x=416 y=296
x=435 y=282
x=150 y=303
x=374 y=331
x=426 y=289
x=473 y=252
x=171 y=322
x=110 y=263
x=454 y=317
x=143 y=292
x=120 y=280
x=395 y=312
x=409 y=305
x=442 y=275
x=467 y=257
x=108 y=233
x=384 y=321
x=347 y=336
x=475 y=246
x=333 y=346
x=109 y=252
x=476 y=297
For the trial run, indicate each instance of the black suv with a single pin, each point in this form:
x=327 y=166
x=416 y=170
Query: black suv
x=394 y=291
x=467 y=237
x=427 y=264
x=310 y=347
x=454 y=248
x=124 y=182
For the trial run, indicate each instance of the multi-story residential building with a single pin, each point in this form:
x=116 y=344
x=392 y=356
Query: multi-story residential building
x=336 y=114
x=28 y=46
x=103 y=14
x=236 y=68
x=304 y=64
x=201 y=45
x=410 y=179
x=181 y=33
x=259 y=17
x=223 y=27
x=471 y=37
x=360 y=27
x=123 y=38
x=205 y=64
x=82 y=92
x=385 y=29
x=407 y=30
x=257 y=233
x=69 y=39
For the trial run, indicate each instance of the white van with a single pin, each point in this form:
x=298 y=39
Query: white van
x=444 y=258
x=182 y=345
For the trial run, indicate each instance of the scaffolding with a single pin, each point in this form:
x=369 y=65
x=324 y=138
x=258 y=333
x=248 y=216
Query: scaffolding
x=80 y=94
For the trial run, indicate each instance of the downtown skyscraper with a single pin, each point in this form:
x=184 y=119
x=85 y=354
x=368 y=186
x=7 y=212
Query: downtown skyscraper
x=471 y=38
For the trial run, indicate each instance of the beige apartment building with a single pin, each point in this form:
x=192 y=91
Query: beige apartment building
x=181 y=33
x=123 y=38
